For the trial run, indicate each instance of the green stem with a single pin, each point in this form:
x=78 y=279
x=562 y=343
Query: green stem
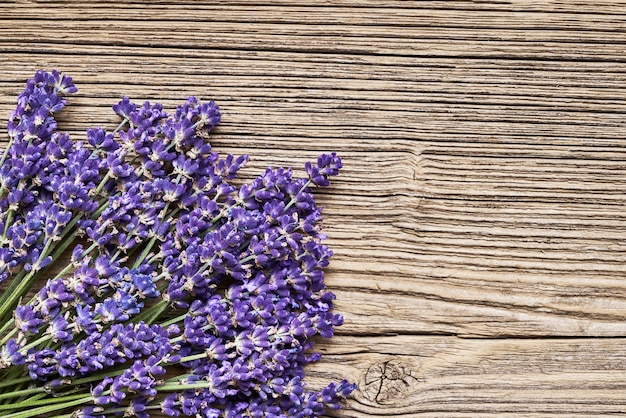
x=173 y=320
x=37 y=396
x=14 y=382
x=18 y=393
x=103 y=206
x=10 y=334
x=175 y=387
x=191 y=358
x=42 y=410
x=293 y=199
x=35 y=343
x=5 y=154
x=120 y=126
x=145 y=252
x=106 y=178
x=7 y=222
x=98 y=376
x=37 y=401
x=13 y=293
x=123 y=409
x=149 y=315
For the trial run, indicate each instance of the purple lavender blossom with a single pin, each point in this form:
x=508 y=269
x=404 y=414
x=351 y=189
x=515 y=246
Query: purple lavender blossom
x=175 y=265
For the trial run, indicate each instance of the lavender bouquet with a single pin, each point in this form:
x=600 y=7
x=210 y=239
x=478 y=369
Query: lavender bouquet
x=164 y=285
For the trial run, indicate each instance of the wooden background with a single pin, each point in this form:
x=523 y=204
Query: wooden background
x=479 y=225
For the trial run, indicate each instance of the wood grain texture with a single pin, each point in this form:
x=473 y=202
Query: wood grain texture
x=478 y=226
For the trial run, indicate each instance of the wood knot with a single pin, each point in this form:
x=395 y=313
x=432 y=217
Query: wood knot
x=386 y=381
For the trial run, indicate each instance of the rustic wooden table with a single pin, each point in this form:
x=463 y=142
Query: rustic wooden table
x=479 y=225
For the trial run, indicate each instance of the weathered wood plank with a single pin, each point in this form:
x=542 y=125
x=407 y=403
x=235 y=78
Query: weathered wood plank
x=484 y=180
x=394 y=12
x=412 y=376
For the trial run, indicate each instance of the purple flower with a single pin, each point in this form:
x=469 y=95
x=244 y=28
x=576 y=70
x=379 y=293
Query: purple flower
x=10 y=354
x=59 y=329
x=101 y=139
x=52 y=296
x=85 y=319
x=61 y=82
x=209 y=115
x=151 y=211
x=41 y=364
x=327 y=165
x=125 y=108
x=27 y=320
